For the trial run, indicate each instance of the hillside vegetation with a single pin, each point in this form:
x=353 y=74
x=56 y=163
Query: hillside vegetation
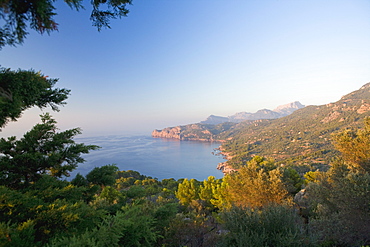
x=302 y=137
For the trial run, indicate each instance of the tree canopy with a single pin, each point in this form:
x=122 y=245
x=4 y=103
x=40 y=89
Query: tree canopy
x=23 y=89
x=355 y=146
x=38 y=15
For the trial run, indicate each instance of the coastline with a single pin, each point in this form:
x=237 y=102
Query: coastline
x=181 y=138
x=175 y=133
x=224 y=167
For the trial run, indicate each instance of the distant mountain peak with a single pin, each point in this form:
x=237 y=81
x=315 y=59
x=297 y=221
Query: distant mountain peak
x=212 y=119
x=280 y=111
x=288 y=109
x=295 y=105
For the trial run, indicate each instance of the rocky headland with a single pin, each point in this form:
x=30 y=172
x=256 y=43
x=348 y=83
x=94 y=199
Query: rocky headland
x=190 y=132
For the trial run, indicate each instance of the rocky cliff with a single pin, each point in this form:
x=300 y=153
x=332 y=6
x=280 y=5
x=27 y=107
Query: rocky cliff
x=193 y=132
x=171 y=132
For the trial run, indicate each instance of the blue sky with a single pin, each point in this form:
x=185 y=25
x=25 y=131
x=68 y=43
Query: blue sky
x=174 y=62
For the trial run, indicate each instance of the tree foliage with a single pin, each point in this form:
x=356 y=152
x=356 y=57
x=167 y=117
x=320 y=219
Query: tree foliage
x=22 y=89
x=339 y=205
x=103 y=175
x=337 y=201
x=38 y=15
x=42 y=150
x=273 y=225
x=354 y=146
x=207 y=191
x=187 y=192
x=254 y=186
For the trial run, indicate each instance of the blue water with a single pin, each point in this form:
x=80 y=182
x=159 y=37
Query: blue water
x=155 y=157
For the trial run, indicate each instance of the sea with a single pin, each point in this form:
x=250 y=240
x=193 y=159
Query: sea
x=155 y=157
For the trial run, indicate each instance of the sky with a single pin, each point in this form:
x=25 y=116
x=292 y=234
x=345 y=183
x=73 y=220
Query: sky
x=175 y=62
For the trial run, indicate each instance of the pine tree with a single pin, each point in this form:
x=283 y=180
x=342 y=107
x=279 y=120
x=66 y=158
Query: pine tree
x=187 y=192
x=42 y=150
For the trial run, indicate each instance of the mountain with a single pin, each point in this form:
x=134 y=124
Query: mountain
x=280 y=111
x=212 y=119
x=303 y=137
x=288 y=109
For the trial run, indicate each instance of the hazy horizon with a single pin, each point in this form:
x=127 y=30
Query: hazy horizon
x=172 y=63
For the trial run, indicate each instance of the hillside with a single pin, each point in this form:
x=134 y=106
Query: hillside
x=302 y=137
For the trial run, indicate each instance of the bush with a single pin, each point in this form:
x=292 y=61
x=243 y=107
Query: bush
x=273 y=225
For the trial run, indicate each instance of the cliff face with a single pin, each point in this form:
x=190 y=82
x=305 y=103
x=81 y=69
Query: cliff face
x=190 y=132
x=171 y=132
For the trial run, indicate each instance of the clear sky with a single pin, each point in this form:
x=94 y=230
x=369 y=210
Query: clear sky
x=174 y=62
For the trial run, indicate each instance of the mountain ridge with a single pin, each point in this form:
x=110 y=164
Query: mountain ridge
x=280 y=111
x=209 y=129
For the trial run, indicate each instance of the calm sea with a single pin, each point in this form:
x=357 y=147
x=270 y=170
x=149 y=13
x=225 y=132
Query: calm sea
x=155 y=157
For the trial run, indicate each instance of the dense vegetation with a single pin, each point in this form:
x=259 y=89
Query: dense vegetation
x=260 y=205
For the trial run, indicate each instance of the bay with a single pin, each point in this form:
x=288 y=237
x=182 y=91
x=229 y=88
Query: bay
x=155 y=157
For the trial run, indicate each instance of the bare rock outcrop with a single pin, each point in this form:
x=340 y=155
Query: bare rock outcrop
x=225 y=168
x=170 y=132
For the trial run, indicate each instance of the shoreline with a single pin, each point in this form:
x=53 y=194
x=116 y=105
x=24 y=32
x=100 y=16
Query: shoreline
x=223 y=166
x=189 y=139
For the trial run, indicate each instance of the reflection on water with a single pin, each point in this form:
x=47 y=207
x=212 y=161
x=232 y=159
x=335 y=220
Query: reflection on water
x=156 y=157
